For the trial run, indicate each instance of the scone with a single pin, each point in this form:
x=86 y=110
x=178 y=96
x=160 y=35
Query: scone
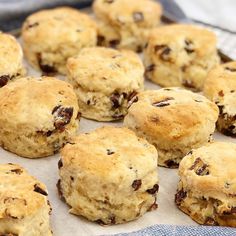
x=220 y=87
x=207 y=187
x=24 y=208
x=126 y=23
x=11 y=59
x=51 y=36
x=37 y=116
x=109 y=175
x=173 y=120
x=180 y=55
x=104 y=81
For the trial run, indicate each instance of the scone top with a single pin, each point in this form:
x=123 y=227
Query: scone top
x=145 y=13
x=53 y=27
x=209 y=171
x=109 y=175
x=21 y=195
x=105 y=70
x=180 y=55
x=195 y=39
x=51 y=36
x=174 y=114
x=110 y=153
x=31 y=103
x=220 y=81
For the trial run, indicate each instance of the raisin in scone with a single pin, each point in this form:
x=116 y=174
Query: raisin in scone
x=173 y=120
x=180 y=55
x=104 y=81
x=51 y=36
x=207 y=186
x=24 y=207
x=220 y=87
x=109 y=175
x=37 y=116
x=126 y=23
x=11 y=59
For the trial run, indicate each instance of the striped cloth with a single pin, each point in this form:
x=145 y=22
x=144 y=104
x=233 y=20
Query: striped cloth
x=171 y=230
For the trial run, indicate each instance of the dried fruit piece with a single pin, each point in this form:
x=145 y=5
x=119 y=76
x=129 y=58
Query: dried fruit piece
x=136 y=184
x=200 y=167
x=163 y=102
x=154 y=189
x=46 y=69
x=40 y=190
x=17 y=171
x=110 y=152
x=100 y=40
x=230 y=69
x=4 y=80
x=62 y=116
x=114 y=43
x=32 y=25
x=115 y=99
x=171 y=164
x=188 y=46
x=180 y=196
x=60 y=191
x=60 y=164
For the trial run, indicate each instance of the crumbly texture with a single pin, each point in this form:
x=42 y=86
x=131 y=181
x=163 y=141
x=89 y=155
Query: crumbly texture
x=24 y=208
x=220 y=87
x=173 y=120
x=37 y=116
x=207 y=187
x=51 y=36
x=104 y=81
x=11 y=59
x=126 y=23
x=180 y=55
x=109 y=175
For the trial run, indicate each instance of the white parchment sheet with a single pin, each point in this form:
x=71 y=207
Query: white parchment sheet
x=65 y=224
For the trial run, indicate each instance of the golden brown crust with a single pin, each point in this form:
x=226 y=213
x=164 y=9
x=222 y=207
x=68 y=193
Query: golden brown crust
x=220 y=87
x=105 y=80
x=66 y=31
x=222 y=78
x=206 y=191
x=37 y=115
x=126 y=23
x=24 y=206
x=173 y=119
x=109 y=169
x=180 y=55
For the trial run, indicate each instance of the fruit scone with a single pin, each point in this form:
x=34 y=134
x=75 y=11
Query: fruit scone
x=220 y=87
x=51 y=36
x=104 y=81
x=126 y=23
x=37 y=116
x=174 y=120
x=180 y=55
x=207 y=186
x=24 y=207
x=11 y=59
x=109 y=175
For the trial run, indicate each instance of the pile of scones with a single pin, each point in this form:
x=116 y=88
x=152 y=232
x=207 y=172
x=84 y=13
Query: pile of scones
x=110 y=175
